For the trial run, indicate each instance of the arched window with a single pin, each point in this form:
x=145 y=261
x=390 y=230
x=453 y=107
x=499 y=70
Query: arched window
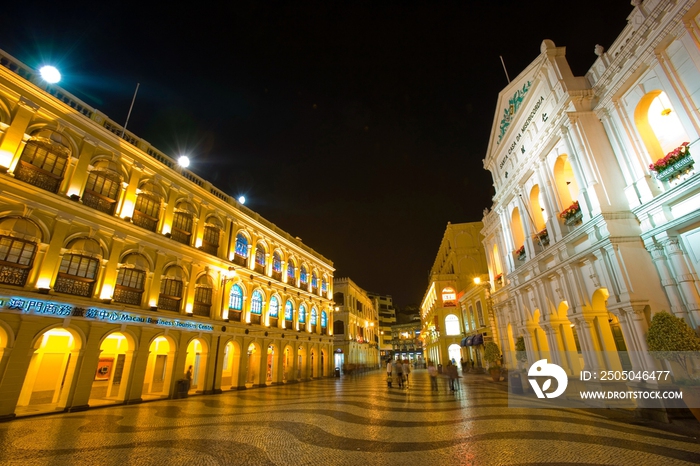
x=260 y=258
x=291 y=275
x=289 y=311
x=131 y=280
x=324 y=286
x=171 y=286
x=147 y=207
x=276 y=266
x=314 y=315
x=452 y=325
x=202 y=296
x=658 y=125
x=538 y=211
x=324 y=323
x=18 y=245
x=256 y=304
x=273 y=311
x=565 y=181
x=516 y=227
x=314 y=283
x=183 y=219
x=302 y=314
x=78 y=271
x=480 y=314
x=241 y=252
x=235 y=298
x=103 y=187
x=274 y=307
x=304 y=278
x=44 y=160
x=210 y=239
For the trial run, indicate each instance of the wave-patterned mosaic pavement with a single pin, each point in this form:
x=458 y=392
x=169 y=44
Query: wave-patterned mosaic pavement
x=348 y=421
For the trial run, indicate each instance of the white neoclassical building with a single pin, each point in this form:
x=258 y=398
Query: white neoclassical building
x=595 y=224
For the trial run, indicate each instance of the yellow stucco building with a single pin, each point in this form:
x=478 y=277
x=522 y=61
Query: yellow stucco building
x=120 y=270
x=445 y=322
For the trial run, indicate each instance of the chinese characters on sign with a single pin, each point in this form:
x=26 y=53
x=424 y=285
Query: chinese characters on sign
x=32 y=306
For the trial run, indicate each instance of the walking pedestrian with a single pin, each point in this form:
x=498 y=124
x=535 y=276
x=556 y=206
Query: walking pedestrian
x=399 y=372
x=388 y=372
x=432 y=372
x=406 y=371
x=452 y=374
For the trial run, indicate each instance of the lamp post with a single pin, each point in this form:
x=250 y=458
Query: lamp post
x=227 y=277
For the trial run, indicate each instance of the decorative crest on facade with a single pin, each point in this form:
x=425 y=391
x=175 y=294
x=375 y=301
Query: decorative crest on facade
x=513 y=106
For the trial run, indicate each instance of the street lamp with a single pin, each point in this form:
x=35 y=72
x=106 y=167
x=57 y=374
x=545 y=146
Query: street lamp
x=227 y=277
x=183 y=161
x=50 y=74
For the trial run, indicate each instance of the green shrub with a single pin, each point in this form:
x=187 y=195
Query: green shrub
x=492 y=355
x=520 y=351
x=670 y=338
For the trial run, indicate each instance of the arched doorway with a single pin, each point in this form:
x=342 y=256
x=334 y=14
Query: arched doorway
x=197 y=358
x=159 y=370
x=271 y=368
x=323 y=359
x=50 y=374
x=312 y=364
x=231 y=361
x=287 y=364
x=455 y=352
x=301 y=363
x=252 y=376
x=113 y=369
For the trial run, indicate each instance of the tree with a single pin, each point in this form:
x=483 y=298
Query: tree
x=492 y=354
x=670 y=338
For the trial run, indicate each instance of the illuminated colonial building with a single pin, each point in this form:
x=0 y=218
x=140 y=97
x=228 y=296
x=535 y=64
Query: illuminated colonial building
x=355 y=327
x=119 y=270
x=459 y=260
x=585 y=241
x=387 y=317
x=407 y=343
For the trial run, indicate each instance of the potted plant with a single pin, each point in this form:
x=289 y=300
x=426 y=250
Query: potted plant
x=520 y=253
x=520 y=351
x=674 y=163
x=492 y=356
x=543 y=237
x=499 y=279
x=670 y=338
x=571 y=214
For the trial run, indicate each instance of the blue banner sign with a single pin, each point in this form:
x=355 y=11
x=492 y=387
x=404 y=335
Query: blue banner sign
x=35 y=306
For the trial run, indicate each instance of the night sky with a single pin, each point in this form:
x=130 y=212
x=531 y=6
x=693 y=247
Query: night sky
x=358 y=126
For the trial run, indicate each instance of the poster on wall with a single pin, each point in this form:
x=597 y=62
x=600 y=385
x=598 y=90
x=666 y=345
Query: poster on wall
x=104 y=369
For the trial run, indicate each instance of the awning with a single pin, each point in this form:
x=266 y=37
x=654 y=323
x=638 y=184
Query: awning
x=463 y=342
x=478 y=339
x=469 y=340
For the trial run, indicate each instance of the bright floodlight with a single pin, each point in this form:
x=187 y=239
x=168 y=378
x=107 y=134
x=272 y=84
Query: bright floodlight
x=241 y=199
x=183 y=161
x=477 y=280
x=50 y=74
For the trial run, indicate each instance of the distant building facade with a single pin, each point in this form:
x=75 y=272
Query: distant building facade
x=120 y=270
x=460 y=259
x=387 y=318
x=355 y=327
x=407 y=343
x=587 y=239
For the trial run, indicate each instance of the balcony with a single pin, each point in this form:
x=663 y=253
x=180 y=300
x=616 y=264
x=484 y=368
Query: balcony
x=73 y=285
x=36 y=176
x=127 y=295
x=99 y=202
x=16 y=275
x=201 y=309
x=144 y=221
